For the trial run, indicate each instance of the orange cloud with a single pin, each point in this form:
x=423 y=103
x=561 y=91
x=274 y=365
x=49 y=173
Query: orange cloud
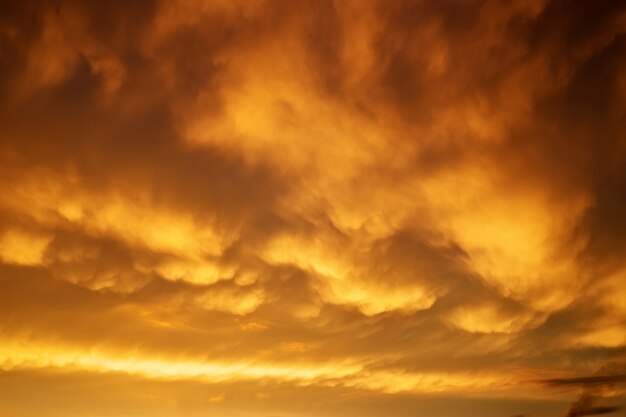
x=310 y=208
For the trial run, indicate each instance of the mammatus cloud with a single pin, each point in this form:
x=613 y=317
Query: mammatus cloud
x=311 y=208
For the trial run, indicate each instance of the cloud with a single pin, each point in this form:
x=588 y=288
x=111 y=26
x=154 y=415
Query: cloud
x=314 y=202
x=594 y=388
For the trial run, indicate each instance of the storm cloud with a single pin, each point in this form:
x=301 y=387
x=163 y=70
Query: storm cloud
x=305 y=208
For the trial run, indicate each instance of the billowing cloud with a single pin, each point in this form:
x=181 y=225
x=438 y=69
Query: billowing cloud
x=311 y=208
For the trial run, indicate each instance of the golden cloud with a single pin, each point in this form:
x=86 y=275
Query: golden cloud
x=311 y=202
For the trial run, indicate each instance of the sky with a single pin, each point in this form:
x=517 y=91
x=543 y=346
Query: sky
x=312 y=208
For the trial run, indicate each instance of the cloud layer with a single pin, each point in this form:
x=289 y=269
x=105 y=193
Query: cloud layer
x=310 y=208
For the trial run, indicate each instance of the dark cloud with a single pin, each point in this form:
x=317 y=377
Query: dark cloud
x=593 y=388
x=587 y=381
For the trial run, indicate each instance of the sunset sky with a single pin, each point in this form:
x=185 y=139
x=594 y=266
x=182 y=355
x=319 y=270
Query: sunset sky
x=312 y=208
